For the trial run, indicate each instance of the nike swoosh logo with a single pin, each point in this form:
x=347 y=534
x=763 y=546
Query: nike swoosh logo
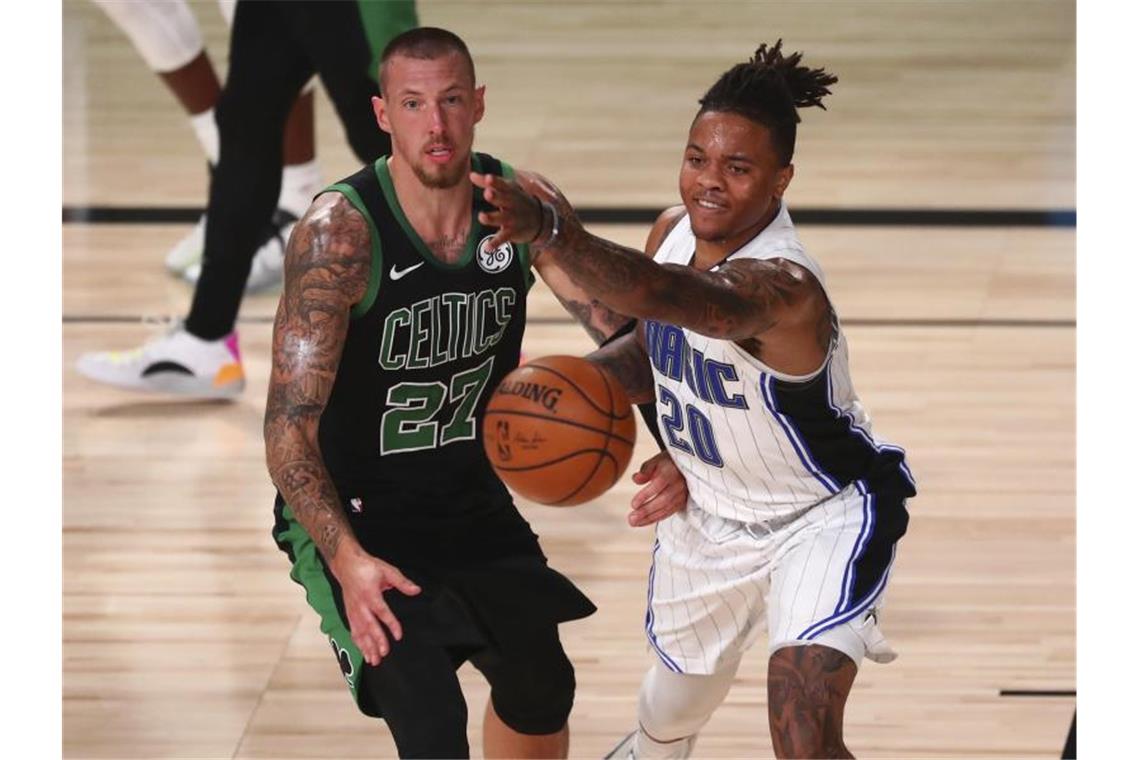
x=396 y=274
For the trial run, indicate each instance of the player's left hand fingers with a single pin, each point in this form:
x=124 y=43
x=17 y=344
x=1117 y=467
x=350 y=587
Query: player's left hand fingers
x=648 y=493
x=645 y=473
x=645 y=519
x=658 y=480
x=656 y=474
x=668 y=502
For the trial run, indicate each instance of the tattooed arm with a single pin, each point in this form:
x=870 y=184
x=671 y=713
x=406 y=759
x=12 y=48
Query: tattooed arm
x=600 y=321
x=663 y=490
x=626 y=360
x=326 y=271
x=748 y=300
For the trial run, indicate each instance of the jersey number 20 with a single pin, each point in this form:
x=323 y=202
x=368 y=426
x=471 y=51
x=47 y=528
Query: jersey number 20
x=700 y=429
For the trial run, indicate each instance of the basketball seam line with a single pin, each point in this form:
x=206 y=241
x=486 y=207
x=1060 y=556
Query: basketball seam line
x=609 y=435
x=582 y=393
x=563 y=458
x=560 y=420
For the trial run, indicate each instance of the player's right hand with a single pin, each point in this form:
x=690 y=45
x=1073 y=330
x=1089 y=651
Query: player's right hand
x=363 y=579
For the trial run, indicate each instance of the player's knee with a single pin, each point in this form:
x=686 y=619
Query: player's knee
x=672 y=706
x=536 y=700
x=426 y=716
x=430 y=738
x=667 y=719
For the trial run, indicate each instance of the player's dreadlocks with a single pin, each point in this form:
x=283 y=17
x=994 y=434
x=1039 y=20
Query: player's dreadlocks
x=768 y=89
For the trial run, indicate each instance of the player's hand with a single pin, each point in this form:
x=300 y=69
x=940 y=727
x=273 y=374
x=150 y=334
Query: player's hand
x=363 y=579
x=517 y=214
x=664 y=491
x=514 y=199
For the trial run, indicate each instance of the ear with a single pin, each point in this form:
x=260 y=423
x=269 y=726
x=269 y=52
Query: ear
x=381 y=112
x=783 y=179
x=480 y=94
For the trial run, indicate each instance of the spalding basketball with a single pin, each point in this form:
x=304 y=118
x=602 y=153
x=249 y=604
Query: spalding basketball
x=559 y=430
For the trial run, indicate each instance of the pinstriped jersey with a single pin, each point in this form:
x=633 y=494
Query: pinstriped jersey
x=755 y=444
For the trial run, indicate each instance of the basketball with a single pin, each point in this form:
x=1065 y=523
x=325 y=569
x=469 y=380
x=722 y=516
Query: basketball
x=559 y=431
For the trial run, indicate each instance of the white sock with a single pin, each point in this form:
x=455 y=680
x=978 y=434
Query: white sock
x=299 y=183
x=206 y=130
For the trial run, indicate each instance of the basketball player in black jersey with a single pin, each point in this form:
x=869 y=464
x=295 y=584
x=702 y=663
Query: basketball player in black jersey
x=396 y=322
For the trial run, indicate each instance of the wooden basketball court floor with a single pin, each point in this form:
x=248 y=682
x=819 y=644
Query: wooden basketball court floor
x=184 y=637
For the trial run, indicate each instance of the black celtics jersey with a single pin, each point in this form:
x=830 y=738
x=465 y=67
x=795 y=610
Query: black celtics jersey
x=401 y=434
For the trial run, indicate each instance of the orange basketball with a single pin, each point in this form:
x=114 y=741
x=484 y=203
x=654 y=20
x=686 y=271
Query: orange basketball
x=559 y=430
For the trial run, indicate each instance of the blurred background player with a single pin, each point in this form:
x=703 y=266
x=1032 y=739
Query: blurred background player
x=275 y=49
x=167 y=36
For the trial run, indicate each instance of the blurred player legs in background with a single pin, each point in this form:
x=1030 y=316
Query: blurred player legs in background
x=275 y=49
x=166 y=34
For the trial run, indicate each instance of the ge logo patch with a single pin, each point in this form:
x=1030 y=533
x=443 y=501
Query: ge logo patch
x=496 y=260
x=344 y=659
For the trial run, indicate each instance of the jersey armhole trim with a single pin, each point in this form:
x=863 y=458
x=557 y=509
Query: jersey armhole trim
x=524 y=249
x=669 y=229
x=670 y=241
x=377 y=269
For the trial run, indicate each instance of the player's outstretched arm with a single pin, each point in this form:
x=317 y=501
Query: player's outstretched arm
x=600 y=321
x=741 y=300
x=326 y=272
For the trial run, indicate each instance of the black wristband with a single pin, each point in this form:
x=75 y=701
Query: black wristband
x=541 y=219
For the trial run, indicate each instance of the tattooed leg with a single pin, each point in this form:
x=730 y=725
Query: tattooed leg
x=807 y=691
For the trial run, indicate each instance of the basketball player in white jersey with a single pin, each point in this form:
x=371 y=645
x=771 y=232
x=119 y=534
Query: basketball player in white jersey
x=794 y=506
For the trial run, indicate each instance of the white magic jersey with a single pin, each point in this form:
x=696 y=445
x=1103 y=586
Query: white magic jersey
x=755 y=444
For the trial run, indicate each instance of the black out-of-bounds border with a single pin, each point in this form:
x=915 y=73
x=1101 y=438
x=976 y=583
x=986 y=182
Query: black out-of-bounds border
x=806 y=215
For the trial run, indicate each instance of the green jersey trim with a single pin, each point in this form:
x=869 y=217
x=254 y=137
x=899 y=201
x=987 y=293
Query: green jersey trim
x=524 y=249
x=385 y=176
x=309 y=571
x=376 y=270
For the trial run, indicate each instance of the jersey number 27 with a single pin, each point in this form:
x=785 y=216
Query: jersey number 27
x=410 y=422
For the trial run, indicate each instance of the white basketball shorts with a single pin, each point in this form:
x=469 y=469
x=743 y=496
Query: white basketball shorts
x=817 y=577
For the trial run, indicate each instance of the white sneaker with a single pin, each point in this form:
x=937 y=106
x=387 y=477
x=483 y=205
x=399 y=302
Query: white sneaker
x=638 y=745
x=624 y=748
x=187 y=252
x=268 y=268
x=176 y=362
